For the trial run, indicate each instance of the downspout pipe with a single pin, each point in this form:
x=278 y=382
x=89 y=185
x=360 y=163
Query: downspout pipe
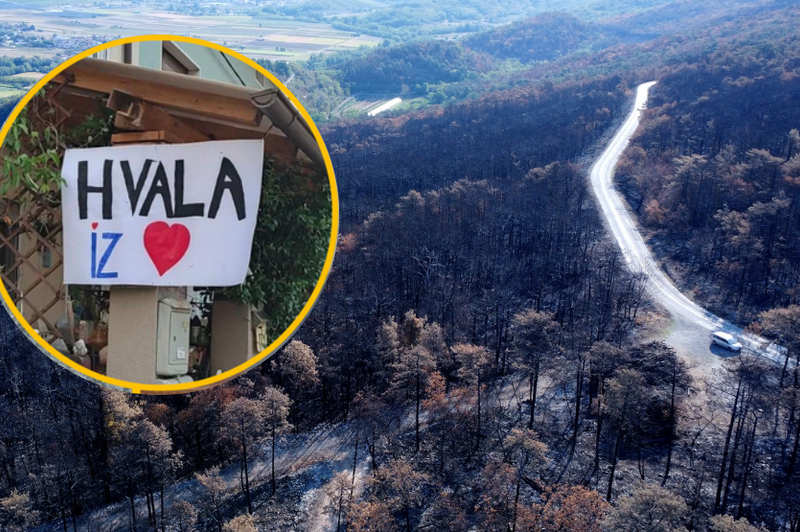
x=283 y=114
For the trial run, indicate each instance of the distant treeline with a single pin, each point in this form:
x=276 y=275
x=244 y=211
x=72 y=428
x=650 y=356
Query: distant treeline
x=407 y=68
x=552 y=47
x=17 y=65
x=541 y=38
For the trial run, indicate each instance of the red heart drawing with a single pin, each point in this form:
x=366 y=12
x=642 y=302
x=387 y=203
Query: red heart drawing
x=94 y=226
x=166 y=244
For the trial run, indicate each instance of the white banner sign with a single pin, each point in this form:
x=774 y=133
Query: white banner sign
x=161 y=215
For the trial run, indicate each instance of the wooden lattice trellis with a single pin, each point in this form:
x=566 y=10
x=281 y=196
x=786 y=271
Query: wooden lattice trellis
x=30 y=223
x=33 y=219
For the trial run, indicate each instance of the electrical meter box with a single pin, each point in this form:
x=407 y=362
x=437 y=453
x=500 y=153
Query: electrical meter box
x=172 y=347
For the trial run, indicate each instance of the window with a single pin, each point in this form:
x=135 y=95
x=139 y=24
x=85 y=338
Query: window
x=173 y=59
x=169 y=63
x=127 y=53
x=124 y=53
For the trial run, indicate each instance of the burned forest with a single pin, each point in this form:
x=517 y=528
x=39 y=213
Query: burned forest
x=482 y=357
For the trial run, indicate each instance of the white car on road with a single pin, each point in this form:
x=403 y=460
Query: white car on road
x=728 y=341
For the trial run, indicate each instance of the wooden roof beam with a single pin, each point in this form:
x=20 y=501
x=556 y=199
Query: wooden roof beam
x=199 y=96
x=136 y=114
x=141 y=137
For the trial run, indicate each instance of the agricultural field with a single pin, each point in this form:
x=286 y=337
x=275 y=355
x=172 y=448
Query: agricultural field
x=73 y=29
x=32 y=76
x=28 y=52
x=7 y=91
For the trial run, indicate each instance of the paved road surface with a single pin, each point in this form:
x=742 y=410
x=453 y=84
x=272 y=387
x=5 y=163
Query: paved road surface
x=636 y=252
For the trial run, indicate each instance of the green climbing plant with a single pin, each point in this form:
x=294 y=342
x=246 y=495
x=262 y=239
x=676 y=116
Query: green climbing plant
x=33 y=158
x=35 y=145
x=290 y=245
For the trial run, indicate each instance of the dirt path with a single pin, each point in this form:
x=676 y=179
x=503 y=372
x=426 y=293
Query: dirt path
x=296 y=453
x=329 y=446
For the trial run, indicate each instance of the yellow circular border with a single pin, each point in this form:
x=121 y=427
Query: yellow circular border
x=287 y=334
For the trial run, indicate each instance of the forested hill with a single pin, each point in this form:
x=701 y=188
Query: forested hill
x=408 y=68
x=548 y=46
x=465 y=67
x=682 y=15
x=540 y=38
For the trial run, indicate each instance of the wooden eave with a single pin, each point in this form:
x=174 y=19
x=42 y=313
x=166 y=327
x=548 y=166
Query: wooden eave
x=218 y=111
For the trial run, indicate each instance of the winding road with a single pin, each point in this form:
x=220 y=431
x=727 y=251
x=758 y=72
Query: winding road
x=637 y=254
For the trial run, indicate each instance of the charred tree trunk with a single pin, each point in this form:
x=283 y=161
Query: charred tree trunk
x=614 y=458
x=726 y=447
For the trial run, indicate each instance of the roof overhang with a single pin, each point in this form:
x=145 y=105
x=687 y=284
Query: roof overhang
x=214 y=109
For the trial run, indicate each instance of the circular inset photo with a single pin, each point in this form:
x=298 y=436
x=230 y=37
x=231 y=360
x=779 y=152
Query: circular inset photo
x=168 y=214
